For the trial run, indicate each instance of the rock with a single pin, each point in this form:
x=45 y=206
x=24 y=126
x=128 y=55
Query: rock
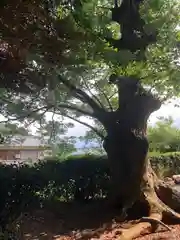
x=176 y=179
x=169 y=181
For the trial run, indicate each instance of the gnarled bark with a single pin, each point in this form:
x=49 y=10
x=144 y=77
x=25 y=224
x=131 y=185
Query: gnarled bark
x=133 y=179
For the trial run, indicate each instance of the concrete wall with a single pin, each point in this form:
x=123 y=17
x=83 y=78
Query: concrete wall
x=9 y=154
x=24 y=154
x=29 y=154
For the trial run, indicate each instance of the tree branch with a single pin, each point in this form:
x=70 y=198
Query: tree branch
x=94 y=96
x=103 y=93
x=113 y=94
x=85 y=124
x=28 y=114
x=53 y=127
x=106 y=97
x=5 y=100
x=72 y=107
x=81 y=95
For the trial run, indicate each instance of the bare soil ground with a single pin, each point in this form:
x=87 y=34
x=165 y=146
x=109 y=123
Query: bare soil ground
x=64 y=221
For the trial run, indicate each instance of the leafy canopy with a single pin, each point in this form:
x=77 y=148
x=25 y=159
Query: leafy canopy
x=56 y=57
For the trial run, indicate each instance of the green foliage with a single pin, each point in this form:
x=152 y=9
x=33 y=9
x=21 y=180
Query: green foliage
x=166 y=164
x=81 y=177
x=53 y=129
x=8 y=131
x=77 y=178
x=64 y=148
x=72 y=44
x=170 y=154
x=164 y=136
x=54 y=132
x=91 y=138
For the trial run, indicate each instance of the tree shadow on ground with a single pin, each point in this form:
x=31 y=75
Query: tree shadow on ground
x=63 y=219
x=60 y=220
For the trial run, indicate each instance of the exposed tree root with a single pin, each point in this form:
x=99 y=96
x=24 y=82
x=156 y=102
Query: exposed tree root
x=138 y=228
x=154 y=221
x=145 y=224
x=151 y=191
x=158 y=209
x=141 y=226
x=88 y=234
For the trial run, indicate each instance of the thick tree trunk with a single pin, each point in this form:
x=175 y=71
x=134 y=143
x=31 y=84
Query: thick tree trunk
x=133 y=180
x=127 y=154
x=132 y=177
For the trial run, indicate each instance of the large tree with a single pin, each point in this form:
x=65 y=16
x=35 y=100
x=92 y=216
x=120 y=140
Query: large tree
x=59 y=58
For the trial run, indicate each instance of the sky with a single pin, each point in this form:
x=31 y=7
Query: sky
x=165 y=111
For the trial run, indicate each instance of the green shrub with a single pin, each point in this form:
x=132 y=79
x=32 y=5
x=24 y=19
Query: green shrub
x=76 y=178
x=166 y=164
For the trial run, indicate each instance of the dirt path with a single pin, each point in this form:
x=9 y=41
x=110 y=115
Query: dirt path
x=66 y=222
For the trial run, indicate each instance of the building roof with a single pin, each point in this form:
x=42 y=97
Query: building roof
x=28 y=142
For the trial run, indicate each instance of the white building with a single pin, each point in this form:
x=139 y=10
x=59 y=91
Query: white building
x=23 y=148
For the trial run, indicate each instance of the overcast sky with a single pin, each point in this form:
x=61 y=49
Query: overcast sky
x=166 y=110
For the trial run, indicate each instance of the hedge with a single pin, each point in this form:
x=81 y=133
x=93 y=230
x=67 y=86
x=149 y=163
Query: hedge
x=79 y=178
